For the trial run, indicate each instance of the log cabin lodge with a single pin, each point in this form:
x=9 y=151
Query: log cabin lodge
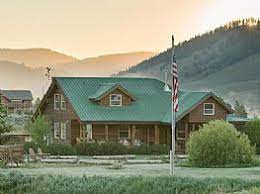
x=136 y=110
x=16 y=101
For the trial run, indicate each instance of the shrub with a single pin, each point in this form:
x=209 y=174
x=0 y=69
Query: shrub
x=60 y=149
x=107 y=148
x=113 y=148
x=28 y=145
x=150 y=149
x=217 y=144
x=257 y=149
x=252 y=129
x=40 y=130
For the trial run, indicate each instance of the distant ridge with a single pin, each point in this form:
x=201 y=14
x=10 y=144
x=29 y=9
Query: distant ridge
x=35 y=57
x=106 y=65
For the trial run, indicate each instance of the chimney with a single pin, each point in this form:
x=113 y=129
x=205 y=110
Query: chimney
x=166 y=87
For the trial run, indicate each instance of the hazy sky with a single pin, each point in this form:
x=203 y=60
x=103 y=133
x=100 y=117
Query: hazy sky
x=85 y=28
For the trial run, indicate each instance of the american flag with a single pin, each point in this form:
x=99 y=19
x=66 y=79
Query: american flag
x=175 y=84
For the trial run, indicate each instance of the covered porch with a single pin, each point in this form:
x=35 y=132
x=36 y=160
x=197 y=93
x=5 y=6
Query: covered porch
x=134 y=133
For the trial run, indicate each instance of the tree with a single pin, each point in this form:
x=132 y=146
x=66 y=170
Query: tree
x=252 y=129
x=239 y=109
x=4 y=127
x=36 y=103
x=40 y=130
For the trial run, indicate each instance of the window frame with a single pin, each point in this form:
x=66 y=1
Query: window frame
x=120 y=101
x=124 y=130
x=89 y=129
x=213 y=109
x=56 y=101
x=63 y=131
x=56 y=130
x=63 y=102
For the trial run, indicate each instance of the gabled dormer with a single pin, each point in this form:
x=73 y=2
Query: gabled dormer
x=112 y=95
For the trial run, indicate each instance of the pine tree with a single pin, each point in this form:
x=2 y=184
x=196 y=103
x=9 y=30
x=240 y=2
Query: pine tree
x=240 y=109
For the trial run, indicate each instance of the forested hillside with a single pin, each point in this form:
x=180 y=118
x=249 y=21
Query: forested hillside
x=226 y=60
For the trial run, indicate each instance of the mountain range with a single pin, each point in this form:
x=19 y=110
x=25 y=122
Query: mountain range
x=26 y=68
x=226 y=61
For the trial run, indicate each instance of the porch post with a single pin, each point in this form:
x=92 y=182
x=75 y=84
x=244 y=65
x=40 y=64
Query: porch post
x=186 y=134
x=193 y=126
x=133 y=132
x=156 y=141
x=106 y=132
x=148 y=135
x=186 y=130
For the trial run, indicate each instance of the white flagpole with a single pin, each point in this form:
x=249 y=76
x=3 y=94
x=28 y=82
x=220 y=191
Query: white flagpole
x=172 y=152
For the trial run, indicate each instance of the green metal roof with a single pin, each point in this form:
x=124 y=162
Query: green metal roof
x=235 y=118
x=106 y=88
x=17 y=94
x=187 y=100
x=152 y=103
x=103 y=89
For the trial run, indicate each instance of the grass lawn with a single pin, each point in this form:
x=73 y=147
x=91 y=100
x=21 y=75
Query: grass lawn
x=136 y=170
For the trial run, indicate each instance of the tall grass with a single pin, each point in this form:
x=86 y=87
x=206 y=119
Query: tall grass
x=19 y=183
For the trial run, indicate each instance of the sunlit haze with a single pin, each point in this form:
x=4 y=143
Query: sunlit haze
x=84 y=28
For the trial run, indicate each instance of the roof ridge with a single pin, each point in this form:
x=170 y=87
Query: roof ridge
x=108 y=77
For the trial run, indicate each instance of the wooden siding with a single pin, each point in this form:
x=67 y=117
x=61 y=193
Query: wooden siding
x=75 y=131
x=59 y=115
x=126 y=100
x=197 y=116
x=98 y=132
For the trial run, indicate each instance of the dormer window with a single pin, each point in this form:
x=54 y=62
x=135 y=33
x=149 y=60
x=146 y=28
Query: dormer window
x=115 y=100
x=209 y=109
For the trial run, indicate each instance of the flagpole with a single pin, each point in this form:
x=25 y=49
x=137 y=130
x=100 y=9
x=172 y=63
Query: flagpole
x=172 y=152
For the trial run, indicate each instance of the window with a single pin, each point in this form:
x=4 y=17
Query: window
x=63 y=130
x=63 y=102
x=56 y=101
x=124 y=133
x=209 y=109
x=115 y=100
x=56 y=130
x=88 y=131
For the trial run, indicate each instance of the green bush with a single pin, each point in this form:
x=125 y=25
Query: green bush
x=91 y=149
x=107 y=148
x=218 y=144
x=60 y=149
x=18 y=183
x=150 y=149
x=112 y=148
x=252 y=129
x=40 y=130
x=257 y=149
